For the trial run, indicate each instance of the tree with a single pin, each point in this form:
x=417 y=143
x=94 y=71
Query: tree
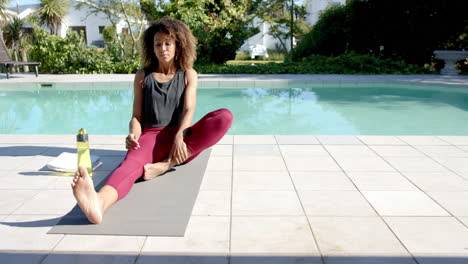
x=52 y=12
x=115 y=11
x=278 y=16
x=220 y=27
x=3 y=15
x=17 y=39
x=408 y=30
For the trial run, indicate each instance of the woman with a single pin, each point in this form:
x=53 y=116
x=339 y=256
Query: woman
x=160 y=134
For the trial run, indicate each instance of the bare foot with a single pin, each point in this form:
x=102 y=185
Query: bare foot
x=86 y=196
x=155 y=169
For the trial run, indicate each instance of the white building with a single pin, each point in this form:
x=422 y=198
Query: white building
x=313 y=8
x=316 y=7
x=76 y=20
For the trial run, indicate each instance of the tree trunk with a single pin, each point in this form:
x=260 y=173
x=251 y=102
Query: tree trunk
x=24 y=58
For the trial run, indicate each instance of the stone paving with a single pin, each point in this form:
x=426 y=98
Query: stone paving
x=263 y=199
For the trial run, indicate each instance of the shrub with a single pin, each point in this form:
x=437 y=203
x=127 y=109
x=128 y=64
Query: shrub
x=349 y=63
x=407 y=30
x=69 y=55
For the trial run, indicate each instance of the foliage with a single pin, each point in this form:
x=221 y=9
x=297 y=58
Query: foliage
x=277 y=14
x=52 y=12
x=407 y=30
x=116 y=10
x=220 y=27
x=349 y=63
x=108 y=34
x=3 y=15
x=14 y=35
x=67 y=55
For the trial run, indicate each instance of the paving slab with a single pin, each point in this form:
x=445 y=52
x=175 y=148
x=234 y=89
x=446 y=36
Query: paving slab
x=338 y=140
x=256 y=236
x=335 y=203
x=350 y=151
x=363 y=163
x=455 y=140
x=261 y=180
x=454 y=202
x=296 y=140
x=322 y=180
x=415 y=164
x=423 y=140
x=270 y=203
x=217 y=180
x=404 y=203
x=381 y=140
x=11 y=199
x=356 y=238
x=380 y=181
x=48 y=202
x=221 y=150
x=212 y=203
x=315 y=163
x=303 y=151
x=254 y=139
x=437 y=181
x=397 y=151
x=433 y=235
x=28 y=232
x=205 y=235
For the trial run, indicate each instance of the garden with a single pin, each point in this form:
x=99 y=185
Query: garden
x=360 y=37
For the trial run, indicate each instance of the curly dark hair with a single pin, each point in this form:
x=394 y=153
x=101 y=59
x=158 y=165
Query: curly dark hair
x=185 y=43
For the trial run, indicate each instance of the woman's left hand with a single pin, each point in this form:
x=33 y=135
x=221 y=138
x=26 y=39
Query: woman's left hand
x=179 y=152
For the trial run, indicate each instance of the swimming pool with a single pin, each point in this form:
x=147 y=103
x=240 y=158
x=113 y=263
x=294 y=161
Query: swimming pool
x=292 y=108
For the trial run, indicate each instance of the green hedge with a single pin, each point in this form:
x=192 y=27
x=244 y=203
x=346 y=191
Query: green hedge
x=349 y=63
x=70 y=55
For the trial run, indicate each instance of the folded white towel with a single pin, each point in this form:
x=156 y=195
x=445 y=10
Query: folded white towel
x=67 y=162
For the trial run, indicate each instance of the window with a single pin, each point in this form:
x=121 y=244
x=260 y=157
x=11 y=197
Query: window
x=101 y=29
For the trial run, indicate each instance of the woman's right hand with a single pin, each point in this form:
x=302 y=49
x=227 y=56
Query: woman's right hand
x=131 y=142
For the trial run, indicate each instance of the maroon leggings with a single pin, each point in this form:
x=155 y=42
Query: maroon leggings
x=156 y=143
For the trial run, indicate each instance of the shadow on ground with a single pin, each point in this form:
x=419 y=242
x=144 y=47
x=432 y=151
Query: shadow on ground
x=162 y=258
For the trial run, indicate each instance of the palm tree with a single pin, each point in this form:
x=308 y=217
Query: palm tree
x=52 y=12
x=3 y=15
x=14 y=34
x=16 y=39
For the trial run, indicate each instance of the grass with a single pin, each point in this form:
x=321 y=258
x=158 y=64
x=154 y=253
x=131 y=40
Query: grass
x=249 y=62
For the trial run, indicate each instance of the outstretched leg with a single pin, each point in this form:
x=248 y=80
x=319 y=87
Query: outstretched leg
x=92 y=203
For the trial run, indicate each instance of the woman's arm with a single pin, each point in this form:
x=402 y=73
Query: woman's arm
x=135 y=122
x=190 y=101
x=179 y=151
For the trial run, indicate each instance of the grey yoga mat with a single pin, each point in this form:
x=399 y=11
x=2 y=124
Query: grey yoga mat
x=159 y=207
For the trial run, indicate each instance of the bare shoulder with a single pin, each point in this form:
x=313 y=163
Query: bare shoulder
x=139 y=75
x=191 y=73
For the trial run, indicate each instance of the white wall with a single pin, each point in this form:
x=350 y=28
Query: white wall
x=263 y=37
x=315 y=7
x=79 y=17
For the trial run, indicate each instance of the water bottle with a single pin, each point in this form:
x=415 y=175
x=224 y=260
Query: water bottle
x=84 y=155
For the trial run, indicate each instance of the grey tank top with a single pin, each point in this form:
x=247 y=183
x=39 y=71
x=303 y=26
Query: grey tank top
x=163 y=102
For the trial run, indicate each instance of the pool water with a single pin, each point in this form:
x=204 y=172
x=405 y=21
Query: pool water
x=297 y=109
